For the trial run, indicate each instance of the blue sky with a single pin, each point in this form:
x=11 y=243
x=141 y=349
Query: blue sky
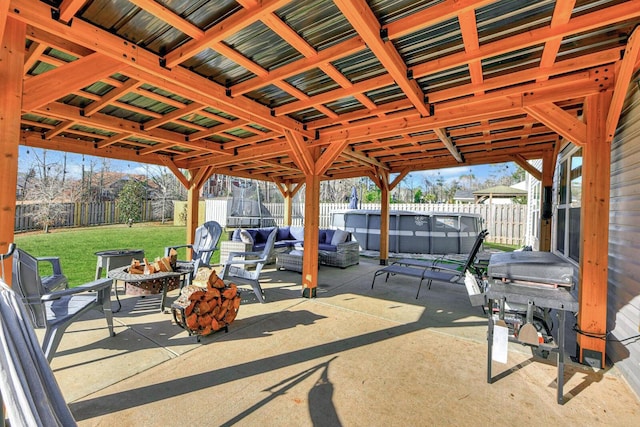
x=75 y=161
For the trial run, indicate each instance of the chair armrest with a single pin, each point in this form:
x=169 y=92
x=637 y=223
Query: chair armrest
x=96 y=285
x=54 y=261
x=256 y=260
x=348 y=246
x=208 y=250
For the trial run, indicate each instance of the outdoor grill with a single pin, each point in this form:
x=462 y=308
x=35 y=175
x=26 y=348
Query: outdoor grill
x=523 y=289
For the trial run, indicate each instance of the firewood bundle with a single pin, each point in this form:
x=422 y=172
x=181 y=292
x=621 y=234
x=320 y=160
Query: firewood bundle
x=205 y=309
x=159 y=265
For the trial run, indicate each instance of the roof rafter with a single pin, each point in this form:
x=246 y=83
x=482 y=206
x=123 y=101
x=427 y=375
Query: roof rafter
x=55 y=84
x=221 y=31
x=366 y=24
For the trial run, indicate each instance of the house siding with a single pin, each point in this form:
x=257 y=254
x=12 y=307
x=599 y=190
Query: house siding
x=623 y=304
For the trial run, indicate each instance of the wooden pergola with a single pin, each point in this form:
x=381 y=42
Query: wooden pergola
x=296 y=92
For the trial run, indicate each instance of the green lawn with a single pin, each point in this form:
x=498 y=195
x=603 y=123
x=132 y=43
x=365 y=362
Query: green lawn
x=77 y=247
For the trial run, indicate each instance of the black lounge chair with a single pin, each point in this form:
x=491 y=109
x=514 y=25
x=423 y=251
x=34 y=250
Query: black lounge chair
x=437 y=270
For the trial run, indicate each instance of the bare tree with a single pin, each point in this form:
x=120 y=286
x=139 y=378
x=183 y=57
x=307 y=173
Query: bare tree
x=166 y=188
x=47 y=189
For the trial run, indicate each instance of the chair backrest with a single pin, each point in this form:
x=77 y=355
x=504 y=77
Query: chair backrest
x=26 y=280
x=474 y=250
x=29 y=390
x=206 y=239
x=268 y=246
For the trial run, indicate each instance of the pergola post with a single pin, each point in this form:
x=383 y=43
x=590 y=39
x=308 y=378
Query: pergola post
x=594 y=234
x=384 y=217
x=311 y=234
x=288 y=208
x=193 y=205
x=11 y=77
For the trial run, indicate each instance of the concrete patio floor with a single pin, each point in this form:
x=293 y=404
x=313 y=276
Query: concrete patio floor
x=353 y=356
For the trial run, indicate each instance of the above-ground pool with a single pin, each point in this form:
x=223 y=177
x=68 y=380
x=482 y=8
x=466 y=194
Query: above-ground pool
x=413 y=232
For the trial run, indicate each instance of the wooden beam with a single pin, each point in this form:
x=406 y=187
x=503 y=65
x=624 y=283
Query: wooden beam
x=4 y=13
x=113 y=139
x=52 y=85
x=11 y=78
x=173 y=116
x=332 y=95
x=111 y=96
x=327 y=55
x=222 y=30
x=33 y=55
x=594 y=233
x=103 y=121
x=524 y=164
x=560 y=121
x=329 y=156
x=156 y=9
x=600 y=19
x=432 y=15
x=623 y=78
x=362 y=18
x=561 y=15
x=145 y=66
x=300 y=153
x=399 y=178
x=442 y=134
x=363 y=159
x=166 y=160
x=68 y=9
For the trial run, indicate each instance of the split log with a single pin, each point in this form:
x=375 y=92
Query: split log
x=207 y=305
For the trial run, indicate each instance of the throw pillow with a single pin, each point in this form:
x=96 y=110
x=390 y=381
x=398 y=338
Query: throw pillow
x=245 y=237
x=340 y=236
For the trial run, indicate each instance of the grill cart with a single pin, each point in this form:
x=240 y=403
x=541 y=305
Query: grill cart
x=524 y=288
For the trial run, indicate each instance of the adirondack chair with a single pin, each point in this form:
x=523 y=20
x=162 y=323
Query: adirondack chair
x=56 y=310
x=204 y=245
x=235 y=266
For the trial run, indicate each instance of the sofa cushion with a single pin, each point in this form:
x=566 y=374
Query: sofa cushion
x=328 y=235
x=340 y=236
x=283 y=234
x=297 y=233
x=262 y=234
x=246 y=237
x=327 y=247
x=322 y=236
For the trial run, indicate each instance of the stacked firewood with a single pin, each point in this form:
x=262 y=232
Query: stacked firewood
x=207 y=305
x=163 y=264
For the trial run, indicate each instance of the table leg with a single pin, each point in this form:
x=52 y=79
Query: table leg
x=560 y=380
x=165 y=285
x=490 y=341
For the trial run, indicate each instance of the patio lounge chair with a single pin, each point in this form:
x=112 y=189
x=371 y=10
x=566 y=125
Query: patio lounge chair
x=446 y=263
x=432 y=270
x=204 y=245
x=56 y=310
x=236 y=265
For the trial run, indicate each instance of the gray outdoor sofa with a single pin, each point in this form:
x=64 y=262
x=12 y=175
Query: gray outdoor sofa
x=336 y=248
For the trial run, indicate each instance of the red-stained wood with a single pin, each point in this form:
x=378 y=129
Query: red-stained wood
x=11 y=58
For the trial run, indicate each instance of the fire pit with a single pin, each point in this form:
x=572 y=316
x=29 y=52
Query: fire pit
x=150 y=284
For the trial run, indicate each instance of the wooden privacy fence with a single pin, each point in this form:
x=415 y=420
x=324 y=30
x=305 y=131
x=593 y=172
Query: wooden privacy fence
x=506 y=223
x=78 y=215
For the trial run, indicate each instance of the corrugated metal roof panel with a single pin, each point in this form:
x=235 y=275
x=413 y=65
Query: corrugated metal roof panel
x=319 y=22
